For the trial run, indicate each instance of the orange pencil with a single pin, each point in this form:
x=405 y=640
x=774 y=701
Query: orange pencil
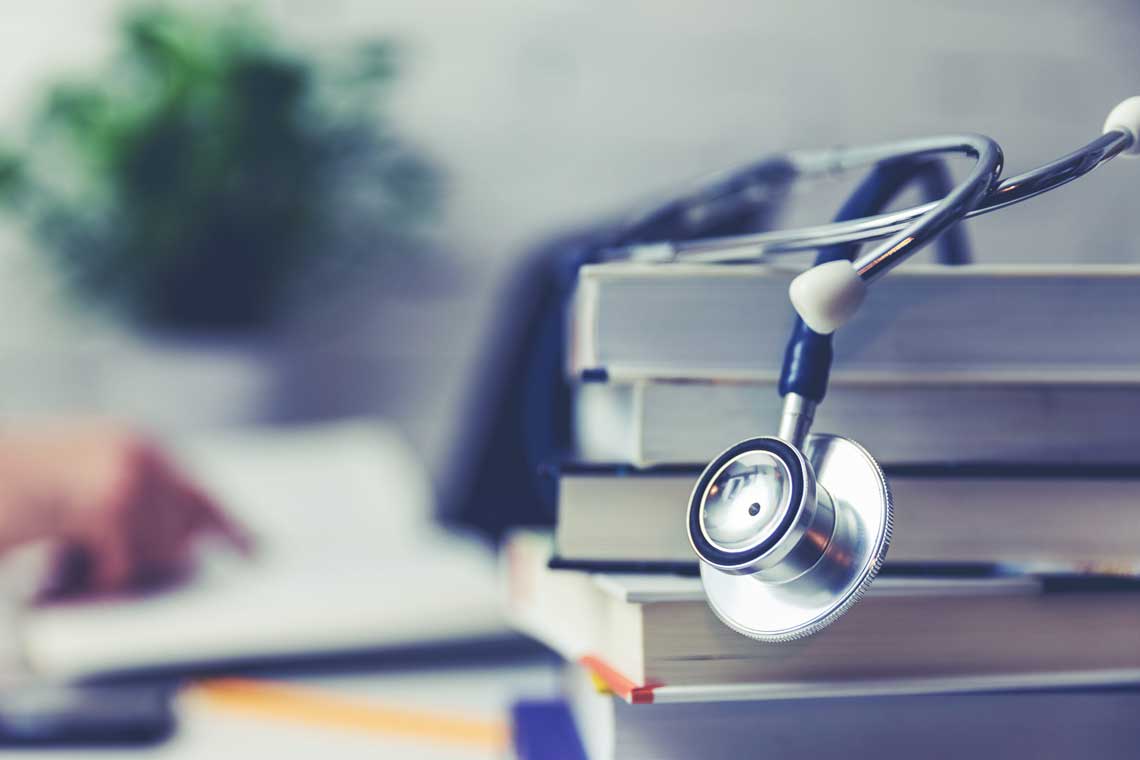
x=301 y=705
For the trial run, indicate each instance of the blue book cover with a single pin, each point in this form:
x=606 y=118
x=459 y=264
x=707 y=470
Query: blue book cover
x=544 y=730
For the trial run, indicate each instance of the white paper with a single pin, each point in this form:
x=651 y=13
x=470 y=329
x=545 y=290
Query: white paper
x=347 y=557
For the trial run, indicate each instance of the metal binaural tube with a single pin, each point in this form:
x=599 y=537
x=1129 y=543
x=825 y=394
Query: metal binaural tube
x=740 y=248
x=976 y=195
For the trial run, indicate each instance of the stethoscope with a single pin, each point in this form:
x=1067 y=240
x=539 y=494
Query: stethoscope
x=791 y=529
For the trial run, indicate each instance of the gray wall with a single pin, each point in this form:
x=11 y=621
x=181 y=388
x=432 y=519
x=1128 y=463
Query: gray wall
x=548 y=112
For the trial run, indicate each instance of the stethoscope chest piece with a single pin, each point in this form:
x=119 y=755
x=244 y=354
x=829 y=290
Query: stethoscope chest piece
x=789 y=540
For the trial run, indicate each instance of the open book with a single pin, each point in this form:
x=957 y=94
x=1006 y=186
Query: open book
x=347 y=558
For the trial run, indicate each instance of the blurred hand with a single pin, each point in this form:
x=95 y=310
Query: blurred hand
x=117 y=511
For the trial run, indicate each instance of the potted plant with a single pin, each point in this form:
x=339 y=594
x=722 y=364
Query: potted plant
x=209 y=174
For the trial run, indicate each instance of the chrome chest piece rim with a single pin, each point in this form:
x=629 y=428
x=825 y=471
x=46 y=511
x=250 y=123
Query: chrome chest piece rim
x=821 y=525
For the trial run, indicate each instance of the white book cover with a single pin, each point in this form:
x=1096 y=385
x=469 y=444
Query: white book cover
x=977 y=323
x=651 y=638
x=665 y=589
x=610 y=515
x=647 y=423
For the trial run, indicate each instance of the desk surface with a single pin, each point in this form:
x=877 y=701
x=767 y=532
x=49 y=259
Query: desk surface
x=208 y=729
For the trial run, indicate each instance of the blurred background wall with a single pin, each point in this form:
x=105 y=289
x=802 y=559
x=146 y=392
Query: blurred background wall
x=547 y=113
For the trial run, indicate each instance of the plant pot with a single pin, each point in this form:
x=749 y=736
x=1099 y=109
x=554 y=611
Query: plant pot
x=176 y=383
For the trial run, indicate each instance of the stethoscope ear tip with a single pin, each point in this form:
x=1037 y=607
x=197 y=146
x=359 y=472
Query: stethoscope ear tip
x=828 y=295
x=1125 y=117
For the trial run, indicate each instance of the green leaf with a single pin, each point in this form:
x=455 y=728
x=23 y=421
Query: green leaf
x=208 y=170
x=12 y=180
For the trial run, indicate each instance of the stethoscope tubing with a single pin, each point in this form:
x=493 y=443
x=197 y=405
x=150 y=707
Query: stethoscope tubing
x=974 y=197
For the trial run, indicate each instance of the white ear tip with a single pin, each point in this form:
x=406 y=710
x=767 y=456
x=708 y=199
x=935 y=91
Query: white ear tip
x=1126 y=118
x=828 y=295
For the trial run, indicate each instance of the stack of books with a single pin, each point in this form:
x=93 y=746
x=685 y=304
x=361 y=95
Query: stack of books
x=1004 y=406
x=1003 y=403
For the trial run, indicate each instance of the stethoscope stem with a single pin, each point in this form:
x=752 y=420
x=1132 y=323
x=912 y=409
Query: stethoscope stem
x=796 y=419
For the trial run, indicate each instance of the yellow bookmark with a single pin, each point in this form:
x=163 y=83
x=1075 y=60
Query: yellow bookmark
x=599 y=684
x=301 y=705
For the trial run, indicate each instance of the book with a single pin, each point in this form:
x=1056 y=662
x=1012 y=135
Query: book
x=1082 y=519
x=972 y=324
x=543 y=729
x=901 y=421
x=337 y=511
x=1046 y=724
x=658 y=638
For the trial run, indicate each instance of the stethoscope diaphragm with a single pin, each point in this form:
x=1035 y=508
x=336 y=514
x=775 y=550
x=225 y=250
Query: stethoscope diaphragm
x=788 y=541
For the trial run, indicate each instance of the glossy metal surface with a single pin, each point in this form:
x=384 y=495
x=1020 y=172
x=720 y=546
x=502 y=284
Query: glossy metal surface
x=927 y=226
x=827 y=567
x=796 y=419
x=746 y=501
x=824 y=163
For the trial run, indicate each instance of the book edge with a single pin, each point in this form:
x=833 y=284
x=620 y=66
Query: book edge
x=659 y=693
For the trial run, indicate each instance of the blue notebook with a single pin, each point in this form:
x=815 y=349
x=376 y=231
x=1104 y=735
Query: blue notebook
x=544 y=730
